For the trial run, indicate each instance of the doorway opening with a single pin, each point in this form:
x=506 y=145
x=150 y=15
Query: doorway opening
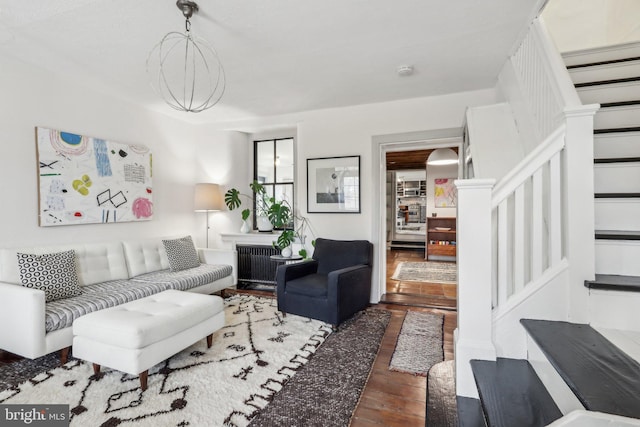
x=420 y=230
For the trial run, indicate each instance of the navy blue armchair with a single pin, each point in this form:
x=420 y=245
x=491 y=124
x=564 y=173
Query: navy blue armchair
x=332 y=286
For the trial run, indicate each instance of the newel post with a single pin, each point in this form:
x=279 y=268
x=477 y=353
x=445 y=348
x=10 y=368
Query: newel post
x=474 y=336
x=579 y=207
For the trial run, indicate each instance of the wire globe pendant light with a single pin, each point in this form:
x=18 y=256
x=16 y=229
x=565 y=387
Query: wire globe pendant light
x=185 y=70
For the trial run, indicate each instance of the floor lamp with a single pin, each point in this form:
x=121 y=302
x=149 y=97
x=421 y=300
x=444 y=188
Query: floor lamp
x=207 y=199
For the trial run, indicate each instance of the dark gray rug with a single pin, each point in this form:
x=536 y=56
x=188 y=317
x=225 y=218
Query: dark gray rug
x=17 y=372
x=419 y=344
x=326 y=390
x=441 y=395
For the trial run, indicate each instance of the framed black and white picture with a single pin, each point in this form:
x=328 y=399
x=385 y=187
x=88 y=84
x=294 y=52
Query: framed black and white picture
x=333 y=185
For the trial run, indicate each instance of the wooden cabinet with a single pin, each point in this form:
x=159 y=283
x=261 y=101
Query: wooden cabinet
x=441 y=238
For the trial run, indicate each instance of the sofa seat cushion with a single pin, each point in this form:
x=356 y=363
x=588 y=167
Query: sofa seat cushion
x=61 y=314
x=190 y=278
x=311 y=285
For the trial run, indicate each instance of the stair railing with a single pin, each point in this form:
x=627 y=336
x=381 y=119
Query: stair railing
x=527 y=216
x=518 y=233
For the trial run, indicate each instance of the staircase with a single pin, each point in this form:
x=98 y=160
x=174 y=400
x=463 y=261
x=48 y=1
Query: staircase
x=589 y=371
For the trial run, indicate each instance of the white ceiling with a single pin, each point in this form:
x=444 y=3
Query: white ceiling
x=280 y=56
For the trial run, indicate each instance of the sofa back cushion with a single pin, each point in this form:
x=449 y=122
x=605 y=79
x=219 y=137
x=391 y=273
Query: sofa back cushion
x=145 y=256
x=96 y=262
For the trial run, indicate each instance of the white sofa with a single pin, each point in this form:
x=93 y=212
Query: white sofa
x=109 y=274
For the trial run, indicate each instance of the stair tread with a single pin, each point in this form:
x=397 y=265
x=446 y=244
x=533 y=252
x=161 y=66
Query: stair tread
x=619 y=104
x=614 y=282
x=470 y=412
x=616 y=195
x=512 y=394
x=602 y=377
x=617 y=234
x=617 y=160
x=617 y=130
x=595 y=64
x=608 y=82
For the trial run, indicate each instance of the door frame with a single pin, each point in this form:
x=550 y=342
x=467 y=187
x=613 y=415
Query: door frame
x=381 y=145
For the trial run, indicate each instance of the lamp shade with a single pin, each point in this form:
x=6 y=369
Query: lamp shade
x=442 y=156
x=207 y=198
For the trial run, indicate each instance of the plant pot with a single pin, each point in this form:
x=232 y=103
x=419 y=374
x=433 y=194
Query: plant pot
x=245 y=227
x=286 y=252
x=264 y=224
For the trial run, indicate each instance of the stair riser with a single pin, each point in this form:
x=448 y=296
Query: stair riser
x=609 y=93
x=605 y=72
x=608 y=53
x=616 y=145
x=617 y=178
x=615 y=310
x=553 y=382
x=617 y=117
x=618 y=257
x=617 y=214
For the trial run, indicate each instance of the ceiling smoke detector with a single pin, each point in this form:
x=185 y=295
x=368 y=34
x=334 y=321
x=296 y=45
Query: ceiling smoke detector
x=404 y=70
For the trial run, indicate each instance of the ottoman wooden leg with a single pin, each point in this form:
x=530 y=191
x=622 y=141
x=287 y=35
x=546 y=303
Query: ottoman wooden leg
x=209 y=340
x=96 y=368
x=64 y=355
x=143 y=380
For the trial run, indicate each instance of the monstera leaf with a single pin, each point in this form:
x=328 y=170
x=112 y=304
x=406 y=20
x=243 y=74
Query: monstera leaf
x=279 y=214
x=232 y=199
x=285 y=239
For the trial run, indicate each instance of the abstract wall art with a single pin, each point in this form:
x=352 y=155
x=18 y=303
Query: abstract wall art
x=85 y=180
x=445 y=193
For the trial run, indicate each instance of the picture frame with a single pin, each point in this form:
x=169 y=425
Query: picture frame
x=333 y=184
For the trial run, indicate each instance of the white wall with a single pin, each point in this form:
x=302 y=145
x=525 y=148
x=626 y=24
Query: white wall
x=224 y=158
x=349 y=131
x=492 y=130
x=580 y=24
x=184 y=154
x=32 y=97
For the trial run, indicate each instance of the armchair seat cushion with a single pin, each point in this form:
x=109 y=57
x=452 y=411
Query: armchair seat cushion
x=312 y=285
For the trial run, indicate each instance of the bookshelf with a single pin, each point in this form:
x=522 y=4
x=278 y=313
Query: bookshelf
x=441 y=238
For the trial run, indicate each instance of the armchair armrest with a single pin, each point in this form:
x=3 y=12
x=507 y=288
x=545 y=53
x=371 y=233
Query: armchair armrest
x=221 y=256
x=350 y=288
x=22 y=320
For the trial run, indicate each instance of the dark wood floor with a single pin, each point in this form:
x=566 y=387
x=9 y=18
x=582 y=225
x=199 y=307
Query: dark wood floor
x=390 y=398
x=394 y=398
x=424 y=294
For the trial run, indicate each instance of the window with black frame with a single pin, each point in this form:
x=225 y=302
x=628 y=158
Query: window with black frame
x=274 y=168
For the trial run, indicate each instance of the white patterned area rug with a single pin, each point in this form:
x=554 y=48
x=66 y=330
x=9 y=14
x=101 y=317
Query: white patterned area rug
x=419 y=344
x=226 y=385
x=427 y=271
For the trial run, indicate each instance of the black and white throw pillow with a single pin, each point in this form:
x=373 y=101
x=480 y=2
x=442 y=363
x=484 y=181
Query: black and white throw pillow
x=181 y=253
x=54 y=273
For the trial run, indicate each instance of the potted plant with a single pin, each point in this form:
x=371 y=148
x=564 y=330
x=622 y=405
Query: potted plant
x=233 y=200
x=293 y=227
x=271 y=213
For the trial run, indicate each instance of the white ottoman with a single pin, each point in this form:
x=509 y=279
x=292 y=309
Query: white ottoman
x=133 y=337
